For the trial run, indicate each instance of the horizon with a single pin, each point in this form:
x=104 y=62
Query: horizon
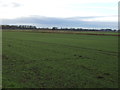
x=61 y=27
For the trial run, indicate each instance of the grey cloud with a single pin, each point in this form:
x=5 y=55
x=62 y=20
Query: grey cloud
x=91 y=17
x=60 y=22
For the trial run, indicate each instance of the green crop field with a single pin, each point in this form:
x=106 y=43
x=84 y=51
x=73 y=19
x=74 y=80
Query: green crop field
x=53 y=60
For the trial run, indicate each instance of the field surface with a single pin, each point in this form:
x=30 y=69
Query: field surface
x=53 y=60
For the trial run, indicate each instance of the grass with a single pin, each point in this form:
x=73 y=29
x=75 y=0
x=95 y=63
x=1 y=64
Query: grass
x=52 y=60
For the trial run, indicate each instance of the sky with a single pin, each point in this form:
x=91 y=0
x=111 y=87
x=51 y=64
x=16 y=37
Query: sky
x=60 y=13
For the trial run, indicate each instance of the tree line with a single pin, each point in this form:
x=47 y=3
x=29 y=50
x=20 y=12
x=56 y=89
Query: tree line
x=28 y=27
x=18 y=27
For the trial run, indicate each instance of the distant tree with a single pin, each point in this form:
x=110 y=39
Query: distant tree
x=115 y=30
x=54 y=28
x=108 y=30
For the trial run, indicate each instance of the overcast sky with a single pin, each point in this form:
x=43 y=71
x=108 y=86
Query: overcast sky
x=60 y=13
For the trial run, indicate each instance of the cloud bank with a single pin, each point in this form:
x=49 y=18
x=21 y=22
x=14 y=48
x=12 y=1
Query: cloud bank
x=78 y=22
